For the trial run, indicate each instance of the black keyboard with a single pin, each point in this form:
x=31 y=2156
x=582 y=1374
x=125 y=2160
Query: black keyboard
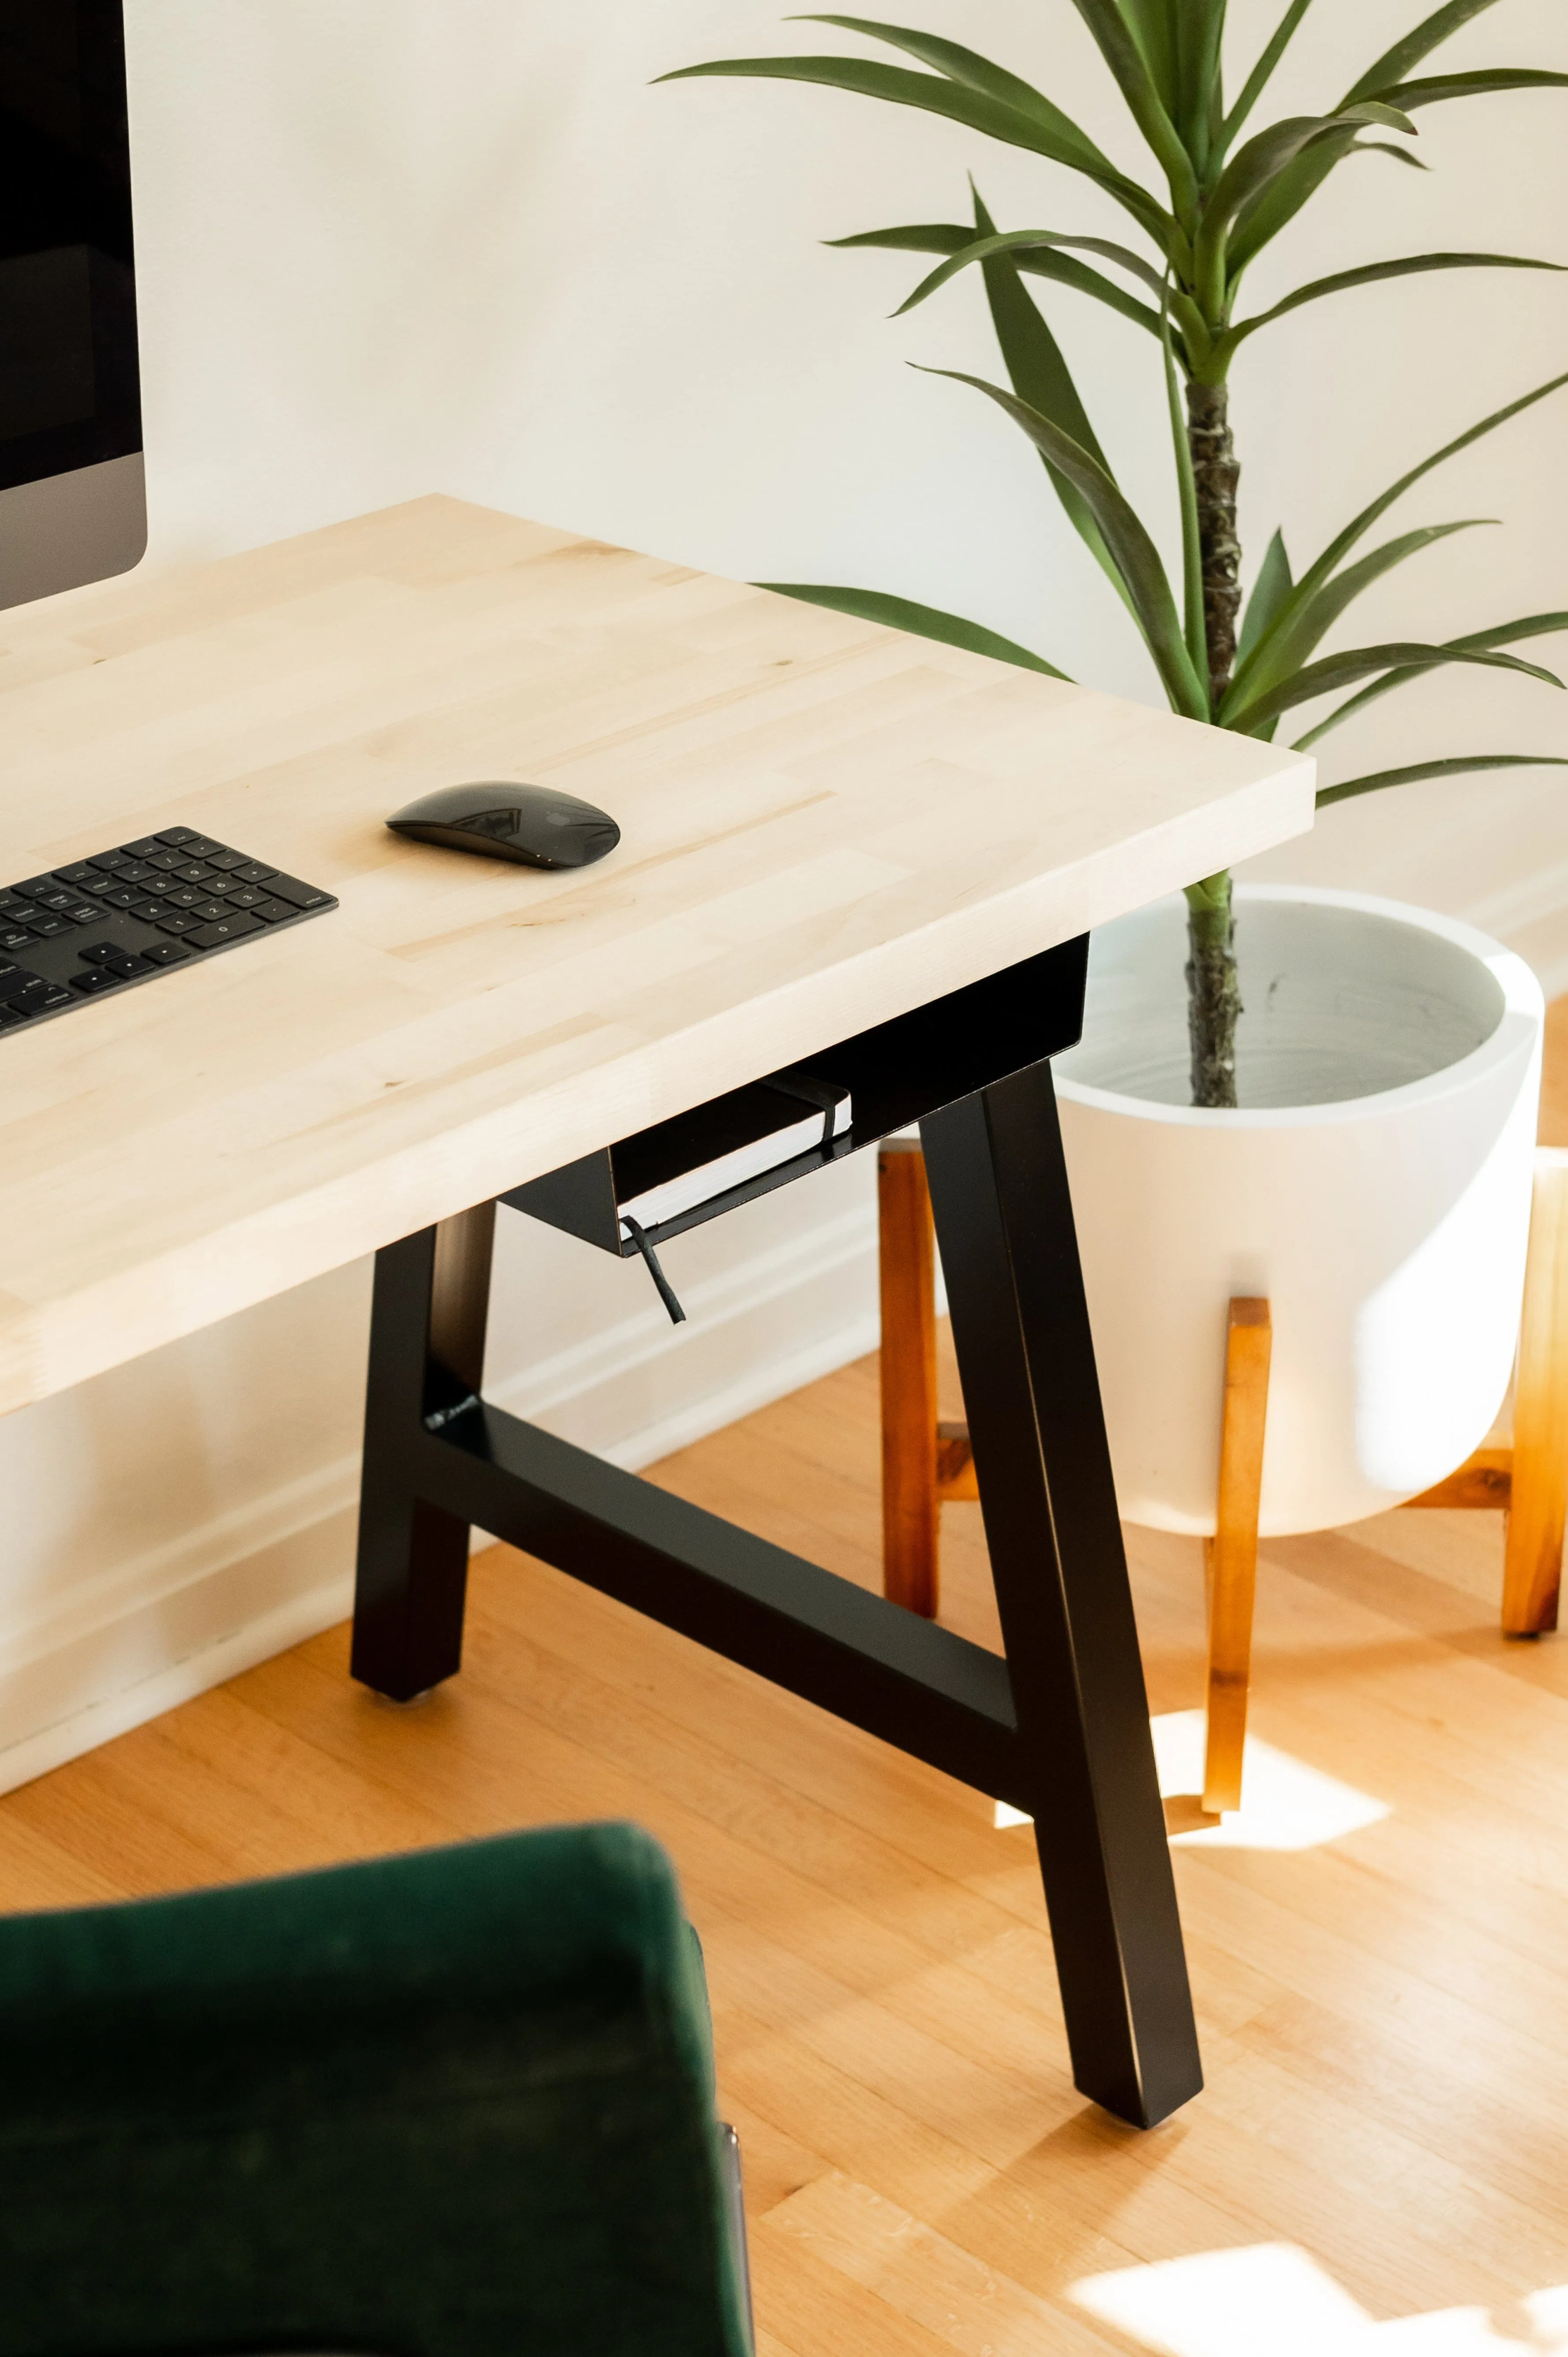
x=102 y=924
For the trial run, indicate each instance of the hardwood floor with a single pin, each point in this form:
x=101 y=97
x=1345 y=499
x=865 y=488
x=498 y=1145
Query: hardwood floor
x=1383 y=2006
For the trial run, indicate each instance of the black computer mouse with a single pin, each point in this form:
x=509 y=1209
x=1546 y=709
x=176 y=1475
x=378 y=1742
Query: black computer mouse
x=534 y=824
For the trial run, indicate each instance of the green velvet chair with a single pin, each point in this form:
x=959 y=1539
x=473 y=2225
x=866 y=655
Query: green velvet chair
x=454 y=2104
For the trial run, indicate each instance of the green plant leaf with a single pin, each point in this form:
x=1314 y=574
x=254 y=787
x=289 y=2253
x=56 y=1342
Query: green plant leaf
x=1359 y=662
x=1151 y=28
x=1360 y=525
x=1429 y=34
x=1020 y=242
x=1270 y=591
x=1305 y=622
x=1283 y=198
x=1200 y=29
x=1249 y=175
x=921 y=621
x=911 y=237
x=1262 y=220
x=1432 y=91
x=976 y=72
x=1411 y=265
x=1461 y=765
x=959 y=102
x=1502 y=634
x=1262 y=73
x=1114 y=38
x=1048 y=263
x=948 y=237
x=1384 y=148
x=1135 y=555
x=1040 y=376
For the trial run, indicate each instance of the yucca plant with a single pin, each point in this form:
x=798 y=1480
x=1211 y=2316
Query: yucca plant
x=1225 y=199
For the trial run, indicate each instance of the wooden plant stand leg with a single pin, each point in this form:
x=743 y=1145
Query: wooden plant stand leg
x=1532 y=1562
x=1230 y=1557
x=1528 y=1477
x=907 y=1275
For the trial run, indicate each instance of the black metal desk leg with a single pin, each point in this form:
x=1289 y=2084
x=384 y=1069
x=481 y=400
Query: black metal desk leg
x=427 y=1358
x=1010 y=1254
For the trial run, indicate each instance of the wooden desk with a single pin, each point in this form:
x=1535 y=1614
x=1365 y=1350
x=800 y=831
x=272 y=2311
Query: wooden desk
x=825 y=825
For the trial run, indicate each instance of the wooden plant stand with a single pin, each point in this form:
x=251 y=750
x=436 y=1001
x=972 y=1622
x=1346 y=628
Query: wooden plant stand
x=926 y=1463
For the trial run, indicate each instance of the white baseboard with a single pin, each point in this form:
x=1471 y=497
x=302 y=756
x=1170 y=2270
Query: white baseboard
x=221 y=1597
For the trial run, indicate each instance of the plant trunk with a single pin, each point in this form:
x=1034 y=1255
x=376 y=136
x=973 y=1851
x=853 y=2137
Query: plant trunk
x=1213 y=991
x=1214 y=994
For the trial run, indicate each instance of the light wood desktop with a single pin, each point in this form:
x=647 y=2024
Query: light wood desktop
x=825 y=826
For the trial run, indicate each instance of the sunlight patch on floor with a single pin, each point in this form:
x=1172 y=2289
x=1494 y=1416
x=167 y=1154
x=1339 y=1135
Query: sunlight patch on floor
x=1271 y=2297
x=1285 y=1804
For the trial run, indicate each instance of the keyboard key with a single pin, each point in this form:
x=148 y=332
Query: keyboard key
x=198 y=847
x=225 y=860
x=83 y=873
x=273 y=913
x=97 y=952
x=138 y=872
x=124 y=896
x=183 y=896
x=50 y=929
x=176 y=836
x=10 y=905
x=31 y=885
x=45 y=893
x=246 y=895
x=80 y=912
x=124 y=963
x=10 y=1020
x=94 y=979
x=98 y=882
x=196 y=871
x=233 y=927
x=143 y=850
x=38 y=998
x=211 y=912
x=180 y=922
x=12 y=937
x=166 y=953
x=151 y=912
x=168 y=861
x=252 y=872
x=111 y=862
x=304 y=896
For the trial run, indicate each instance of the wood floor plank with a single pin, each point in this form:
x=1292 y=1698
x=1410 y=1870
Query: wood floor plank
x=1383 y=2011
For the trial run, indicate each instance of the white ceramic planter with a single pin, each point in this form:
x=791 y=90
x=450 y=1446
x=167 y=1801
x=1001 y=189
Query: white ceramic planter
x=1374 y=1185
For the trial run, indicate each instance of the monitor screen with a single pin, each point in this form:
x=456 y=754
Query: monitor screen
x=72 y=505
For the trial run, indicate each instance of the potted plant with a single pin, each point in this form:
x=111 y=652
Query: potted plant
x=1359 y=1155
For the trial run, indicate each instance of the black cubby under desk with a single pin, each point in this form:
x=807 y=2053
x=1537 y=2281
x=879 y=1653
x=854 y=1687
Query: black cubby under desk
x=896 y=1073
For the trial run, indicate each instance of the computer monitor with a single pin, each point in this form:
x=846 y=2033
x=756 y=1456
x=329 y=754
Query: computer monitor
x=72 y=502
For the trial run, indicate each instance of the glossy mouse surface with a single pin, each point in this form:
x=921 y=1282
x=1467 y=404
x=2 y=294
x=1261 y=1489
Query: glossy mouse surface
x=500 y=819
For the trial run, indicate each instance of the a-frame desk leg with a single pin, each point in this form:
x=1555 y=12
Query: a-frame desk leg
x=427 y=1364
x=1060 y=1728
x=1020 y=1325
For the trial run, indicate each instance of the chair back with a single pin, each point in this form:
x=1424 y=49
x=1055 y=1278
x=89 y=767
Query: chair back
x=458 y=2104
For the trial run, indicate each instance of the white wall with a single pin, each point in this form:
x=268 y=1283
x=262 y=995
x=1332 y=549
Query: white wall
x=392 y=246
